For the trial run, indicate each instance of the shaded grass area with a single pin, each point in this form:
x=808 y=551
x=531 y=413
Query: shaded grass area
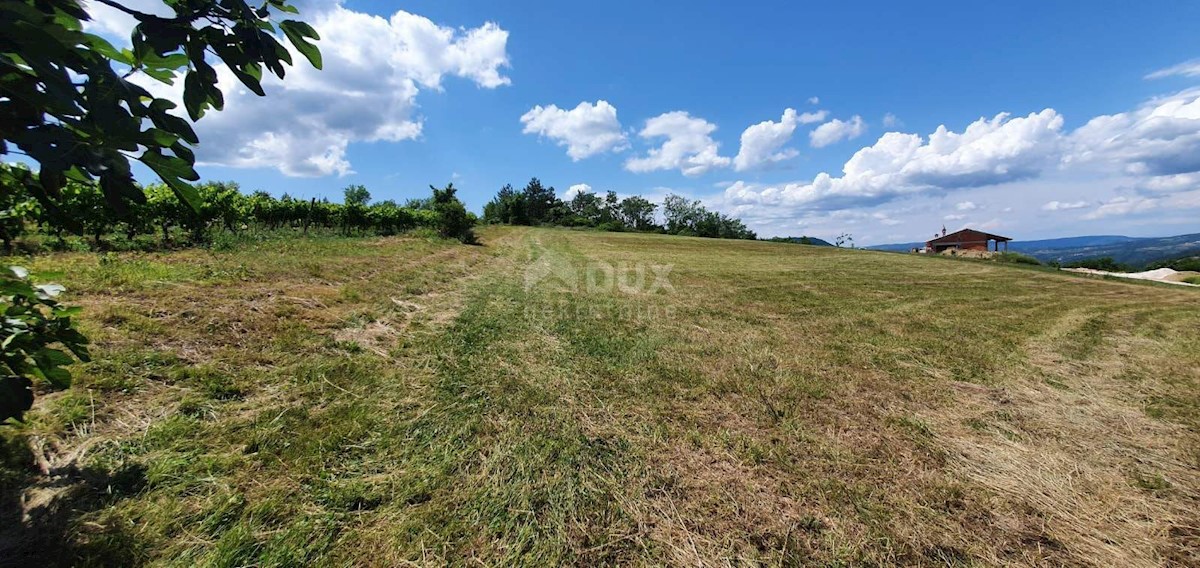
x=395 y=401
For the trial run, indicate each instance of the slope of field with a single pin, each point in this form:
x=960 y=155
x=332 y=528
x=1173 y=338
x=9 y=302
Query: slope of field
x=401 y=401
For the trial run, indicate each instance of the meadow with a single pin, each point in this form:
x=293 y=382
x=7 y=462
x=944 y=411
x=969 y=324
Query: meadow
x=410 y=400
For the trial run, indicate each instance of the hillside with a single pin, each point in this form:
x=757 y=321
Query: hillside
x=407 y=401
x=1134 y=251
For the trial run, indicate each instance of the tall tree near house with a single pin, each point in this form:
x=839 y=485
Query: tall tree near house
x=67 y=103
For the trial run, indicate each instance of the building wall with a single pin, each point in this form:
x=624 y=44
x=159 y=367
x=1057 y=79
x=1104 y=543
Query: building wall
x=983 y=246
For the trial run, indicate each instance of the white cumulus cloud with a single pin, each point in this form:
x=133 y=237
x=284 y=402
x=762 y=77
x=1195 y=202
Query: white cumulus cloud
x=1064 y=205
x=762 y=143
x=837 y=130
x=1186 y=69
x=1126 y=167
x=576 y=190
x=987 y=152
x=689 y=146
x=374 y=68
x=586 y=130
x=1160 y=138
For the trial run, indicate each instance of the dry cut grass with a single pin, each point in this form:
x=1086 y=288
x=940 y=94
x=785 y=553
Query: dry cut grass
x=403 y=401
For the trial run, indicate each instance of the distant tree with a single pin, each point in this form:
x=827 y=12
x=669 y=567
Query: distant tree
x=637 y=213
x=1105 y=263
x=586 y=206
x=539 y=201
x=356 y=195
x=419 y=203
x=507 y=207
x=691 y=218
x=680 y=214
x=610 y=212
x=843 y=240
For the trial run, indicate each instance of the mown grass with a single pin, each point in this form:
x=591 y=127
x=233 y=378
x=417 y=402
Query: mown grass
x=397 y=401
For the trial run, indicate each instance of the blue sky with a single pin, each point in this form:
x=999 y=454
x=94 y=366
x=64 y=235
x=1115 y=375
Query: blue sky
x=450 y=91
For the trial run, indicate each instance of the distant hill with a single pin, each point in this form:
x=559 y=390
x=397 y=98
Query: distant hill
x=802 y=240
x=1134 y=251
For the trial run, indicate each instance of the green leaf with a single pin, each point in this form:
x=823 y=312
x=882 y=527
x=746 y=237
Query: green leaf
x=54 y=356
x=58 y=376
x=194 y=96
x=173 y=171
x=296 y=32
x=101 y=46
x=250 y=81
x=67 y=311
x=161 y=75
x=161 y=137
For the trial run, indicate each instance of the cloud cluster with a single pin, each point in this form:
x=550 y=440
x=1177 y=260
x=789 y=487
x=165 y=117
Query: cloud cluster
x=1160 y=138
x=586 y=130
x=762 y=143
x=688 y=145
x=374 y=69
x=837 y=130
x=987 y=152
x=1145 y=161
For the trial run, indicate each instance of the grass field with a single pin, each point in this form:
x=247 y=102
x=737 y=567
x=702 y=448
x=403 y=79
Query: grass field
x=408 y=401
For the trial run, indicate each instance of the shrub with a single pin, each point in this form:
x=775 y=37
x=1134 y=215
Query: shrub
x=1185 y=264
x=1016 y=258
x=453 y=220
x=1105 y=263
x=612 y=226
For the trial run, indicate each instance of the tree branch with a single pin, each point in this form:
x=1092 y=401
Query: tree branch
x=141 y=16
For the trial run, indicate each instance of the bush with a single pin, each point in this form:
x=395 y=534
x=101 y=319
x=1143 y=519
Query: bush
x=454 y=222
x=611 y=226
x=1185 y=264
x=1016 y=258
x=1105 y=263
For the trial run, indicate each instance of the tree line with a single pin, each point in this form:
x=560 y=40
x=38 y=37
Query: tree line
x=537 y=204
x=83 y=210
